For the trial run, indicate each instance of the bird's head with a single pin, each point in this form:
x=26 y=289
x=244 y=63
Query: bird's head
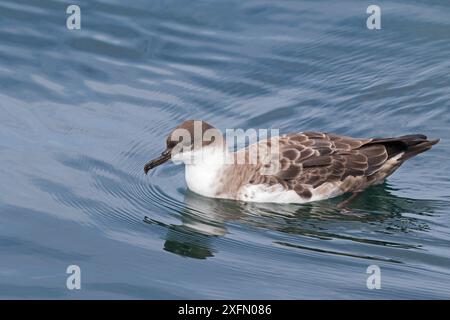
x=186 y=141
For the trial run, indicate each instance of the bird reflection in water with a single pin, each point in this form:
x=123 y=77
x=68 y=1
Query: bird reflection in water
x=203 y=220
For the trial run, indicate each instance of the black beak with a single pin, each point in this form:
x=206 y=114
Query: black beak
x=164 y=157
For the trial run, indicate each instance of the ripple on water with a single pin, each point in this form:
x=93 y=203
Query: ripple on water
x=84 y=110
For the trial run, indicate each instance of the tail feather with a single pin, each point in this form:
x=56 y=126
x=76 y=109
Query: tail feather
x=410 y=145
x=419 y=147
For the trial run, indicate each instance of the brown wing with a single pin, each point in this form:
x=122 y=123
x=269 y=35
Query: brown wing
x=313 y=158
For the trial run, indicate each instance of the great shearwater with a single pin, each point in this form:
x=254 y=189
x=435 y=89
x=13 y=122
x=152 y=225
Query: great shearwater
x=309 y=166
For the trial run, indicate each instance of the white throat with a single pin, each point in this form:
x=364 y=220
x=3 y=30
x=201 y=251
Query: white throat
x=203 y=173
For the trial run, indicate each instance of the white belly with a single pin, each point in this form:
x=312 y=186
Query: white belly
x=264 y=193
x=277 y=194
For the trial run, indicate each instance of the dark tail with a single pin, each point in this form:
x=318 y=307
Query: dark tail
x=411 y=145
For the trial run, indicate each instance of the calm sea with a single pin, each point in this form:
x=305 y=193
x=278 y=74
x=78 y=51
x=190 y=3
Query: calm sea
x=81 y=111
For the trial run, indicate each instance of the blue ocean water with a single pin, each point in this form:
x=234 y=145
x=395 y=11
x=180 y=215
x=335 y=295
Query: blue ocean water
x=81 y=111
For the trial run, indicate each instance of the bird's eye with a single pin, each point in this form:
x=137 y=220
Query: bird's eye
x=171 y=144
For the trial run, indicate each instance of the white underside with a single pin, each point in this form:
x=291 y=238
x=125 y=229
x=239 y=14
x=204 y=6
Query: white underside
x=266 y=193
x=277 y=194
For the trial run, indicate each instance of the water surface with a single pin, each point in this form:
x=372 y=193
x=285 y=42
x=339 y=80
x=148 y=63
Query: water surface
x=81 y=111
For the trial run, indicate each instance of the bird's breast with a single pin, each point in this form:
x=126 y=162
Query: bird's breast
x=203 y=179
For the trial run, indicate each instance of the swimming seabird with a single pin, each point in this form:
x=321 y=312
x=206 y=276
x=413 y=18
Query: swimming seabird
x=310 y=166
